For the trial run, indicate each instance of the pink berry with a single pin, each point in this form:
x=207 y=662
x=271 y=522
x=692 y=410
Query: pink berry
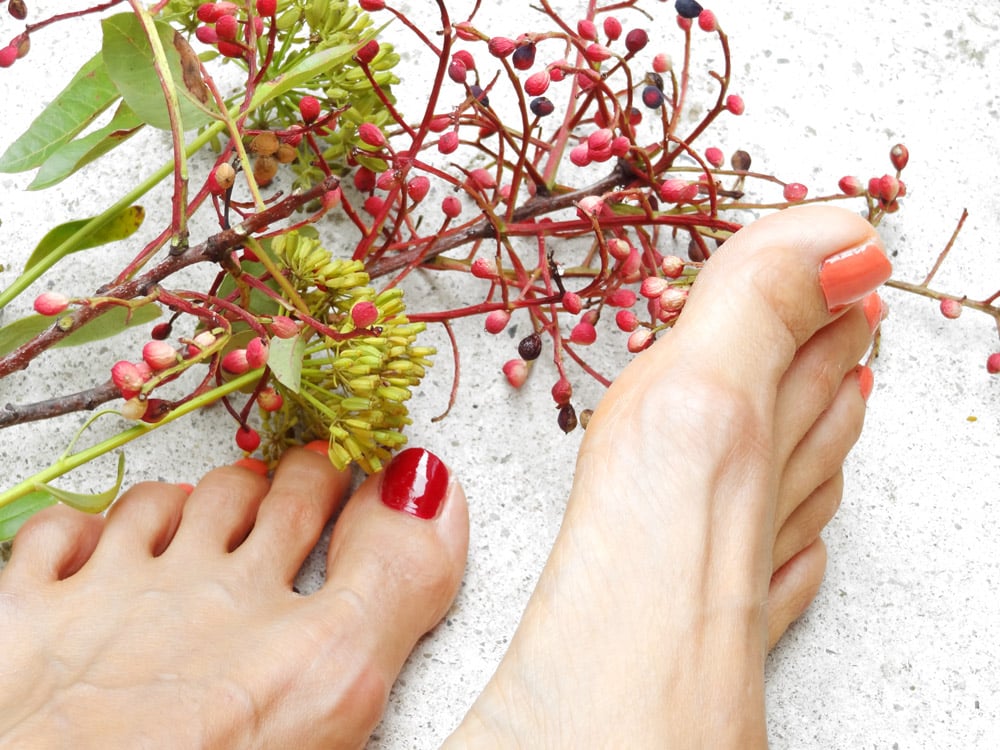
x=209 y=12
x=620 y=146
x=457 y=71
x=269 y=399
x=639 y=340
x=626 y=320
x=537 y=83
x=451 y=207
x=247 y=438
x=364 y=314
x=734 y=103
x=228 y=28
x=993 y=363
x=501 y=46
x=465 y=57
x=482 y=179
x=850 y=185
x=483 y=269
x=714 y=156
x=448 y=142
x=309 y=108
x=662 y=63
x=596 y=53
x=284 y=327
x=370 y=134
x=200 y=343
x=572 y=302
x=951 y=308
x=795 y=191
x=675 y=190
x=232 y=49
x=590 y=206
x=159 y=355
x=258 y=351
x=621 y=298
x=418 y=187
x=496 y=321
x=612 y=28
x=653 y=286
x=50 y=303
x=888 y=188
x=206 y=35
x=267 y=7
x=673 y=299
x=562 y=392
x=439 y=124
x=516 y=372
x=235 y=362
x=127 y=378
x=619 y=249
x=672 y=266
x=707 y=21
x=580 y=155
x=583 y=333
x=587 y=29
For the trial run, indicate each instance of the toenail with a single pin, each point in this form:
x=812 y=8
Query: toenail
x=252 y=464
x=186 y=486
x=866 y=380
x=849 y=275
x=318 y=446
x=873 y=310
x=415 y=482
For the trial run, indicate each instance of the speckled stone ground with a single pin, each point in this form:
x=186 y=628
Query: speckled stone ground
x=900 y=649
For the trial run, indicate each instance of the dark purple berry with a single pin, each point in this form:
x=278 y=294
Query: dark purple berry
x=541 y=106
x=530 y=347
x=635 y=40
x=652 y=97
x=688 y=8
x=567 y=418
x=18 y=9
x=524 y=57
x=479 y=95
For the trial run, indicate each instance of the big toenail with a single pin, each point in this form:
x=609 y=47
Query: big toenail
x=851 y=274
x=321 y=447
x=415 y=482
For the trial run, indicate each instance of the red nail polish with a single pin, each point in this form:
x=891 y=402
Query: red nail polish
x=318 y=446
x=873 y=310
x=866 y=381
x=851 y=274
x=415 y=482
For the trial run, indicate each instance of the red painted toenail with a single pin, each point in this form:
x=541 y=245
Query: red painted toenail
x=866 y=380
x=415 y=482
x=188 y=488
x=851 y=274
x=318 y=446
x=873 y=310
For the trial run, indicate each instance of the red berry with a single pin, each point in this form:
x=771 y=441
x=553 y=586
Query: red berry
x=206 y=35
x=374 y=204
x=734 y=103
x=371 y=5
x=562 y=392
x=269 y=399
x=888 y=188
x=159 y=355
x=160 y=331
x=368 y=53
x=900 y=156
x=448 y=142
x=572 y=302
x=466 y=58
x=209 y=12
x=580 y=155
x=364 y=180
x=621 y=298
x=7 y=56
x=248 y=439
x=309 y=108
x=451 y=206
x=370 y=134
x=993 y=363
x=418 y=187
x=583 y=333
x=127 y=378
x=267 y=7
x=795 y=191
x=676 y=190
x=587 y=29
x=457 y=71
x=228 y=28
x=231 y=49
x=714 y=156
x=501 y=46
x=236 y=362
x=496 y=321
x=707 y=21
x=258 y=350
x=626 y=320
x=364 y=314
x=951 y=308
x=50 y=303
x=596 y=53
x=612 y=28
x=619 y=249
x=850 y=185
x=635 y=40
x=537 y=83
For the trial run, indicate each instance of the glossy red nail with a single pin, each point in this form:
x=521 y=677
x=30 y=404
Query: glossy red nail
x=866 y=380
x=318 y=446
x=873 y=310
x=415 y=482
x=851 y=274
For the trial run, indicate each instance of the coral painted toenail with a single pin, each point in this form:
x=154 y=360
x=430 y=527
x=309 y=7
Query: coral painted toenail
x=866 y=380
x=188 y=488
x=252 y=464
x=851 y=274
x=318 y=446
x=415 y=482
x=873 y=310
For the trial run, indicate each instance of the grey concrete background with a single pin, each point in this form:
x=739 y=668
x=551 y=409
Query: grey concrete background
x=900 y=650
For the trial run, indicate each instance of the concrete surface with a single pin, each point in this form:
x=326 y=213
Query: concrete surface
x=901 y=648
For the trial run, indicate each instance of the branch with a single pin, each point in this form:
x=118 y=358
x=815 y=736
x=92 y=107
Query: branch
x=91 y=398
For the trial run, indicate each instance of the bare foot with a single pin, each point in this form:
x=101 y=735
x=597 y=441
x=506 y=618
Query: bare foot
x=691 y=537
x=174 y=623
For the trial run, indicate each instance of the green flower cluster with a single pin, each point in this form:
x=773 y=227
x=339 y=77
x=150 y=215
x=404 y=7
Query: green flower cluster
x=352 y=391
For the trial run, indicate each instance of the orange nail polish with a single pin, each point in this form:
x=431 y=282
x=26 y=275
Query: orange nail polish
x=252 y=464
x=866 y=381
x=851 y=274
x=318 y=446
x=873 y=310
x=187 y=487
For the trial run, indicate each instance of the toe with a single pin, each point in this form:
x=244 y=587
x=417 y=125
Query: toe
x=793 y=587
x=220 y=511
x=809 y=518
x=395 y=564
x=143 y=520
x=52 y=545
x=305 y=492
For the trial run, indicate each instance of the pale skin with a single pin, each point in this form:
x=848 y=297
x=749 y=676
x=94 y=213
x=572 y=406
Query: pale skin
x=690 y=543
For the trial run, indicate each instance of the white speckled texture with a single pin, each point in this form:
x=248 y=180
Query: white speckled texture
x=900 y=649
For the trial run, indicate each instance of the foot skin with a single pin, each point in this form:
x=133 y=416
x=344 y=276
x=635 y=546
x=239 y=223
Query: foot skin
x=691 y=538
x=174 y=621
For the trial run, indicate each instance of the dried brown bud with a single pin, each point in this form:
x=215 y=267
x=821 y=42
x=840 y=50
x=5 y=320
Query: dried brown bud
x=265 y=144
x=264 y=169
x=740 y=161
x=286 y=153
x=18 y=9
x=567 y=418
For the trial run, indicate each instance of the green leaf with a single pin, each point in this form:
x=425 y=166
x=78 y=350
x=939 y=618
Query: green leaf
x=80 y=152
x=285 y=360
x=111 y=323
x=89 y=93
x=121 y=226
x=129 y=60
x=306 y=70
x=90 y=503
x=13 y=516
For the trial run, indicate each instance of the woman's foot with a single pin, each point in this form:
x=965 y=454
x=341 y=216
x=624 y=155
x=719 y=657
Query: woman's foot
x=174 y=623
x=690 y=543
x=712 y=462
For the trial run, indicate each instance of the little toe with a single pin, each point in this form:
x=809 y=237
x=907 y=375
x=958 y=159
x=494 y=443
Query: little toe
x=52 y=545
x=143 y=520
x=793 y=587
x=220 y=511
x=304 y=494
